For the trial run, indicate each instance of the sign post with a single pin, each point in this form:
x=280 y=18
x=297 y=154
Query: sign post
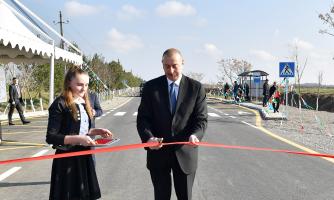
x=286 y=70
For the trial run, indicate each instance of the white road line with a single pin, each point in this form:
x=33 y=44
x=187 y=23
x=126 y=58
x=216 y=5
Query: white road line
x=104 y=115
x=226 y=114
x=108 y=112
x=98 y=118
x=249 y=124
x=217 y=110
x=9 y=172
x=119 y=114
x=213 y=115
x=135 y=114
x=40 y=153
x=233 y=117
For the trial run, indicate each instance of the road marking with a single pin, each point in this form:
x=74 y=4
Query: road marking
x=242 y=112
x=135 y=114
x=98 y=118
x=250 y=124
x=24 y=143
x=40 y=153
x=260 y=127
x=213 y=115
x=108 y=112
x=14 y=148
x=9 y=172
x=27 y=126
x=12 y=133
x=119 y=114
x=233 y=117
x=218 y=110
x=104 y=115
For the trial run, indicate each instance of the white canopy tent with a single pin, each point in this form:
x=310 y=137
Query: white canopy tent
x=19 y=44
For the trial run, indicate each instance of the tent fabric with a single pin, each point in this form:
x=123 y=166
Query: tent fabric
x=18 y=44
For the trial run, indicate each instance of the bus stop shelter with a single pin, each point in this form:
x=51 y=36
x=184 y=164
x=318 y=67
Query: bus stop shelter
x=255 y=80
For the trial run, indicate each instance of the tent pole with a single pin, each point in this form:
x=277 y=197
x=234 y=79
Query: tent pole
x=52 y=68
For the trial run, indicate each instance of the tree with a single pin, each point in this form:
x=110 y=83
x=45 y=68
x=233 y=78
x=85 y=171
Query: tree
x=299 y=71
x=319 y=85
x=230 y=68
x=197 y=76
x=328 y=18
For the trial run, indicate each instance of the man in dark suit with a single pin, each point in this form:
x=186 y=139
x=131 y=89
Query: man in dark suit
x=95 y=104
x=173 y=108
x=15 y=101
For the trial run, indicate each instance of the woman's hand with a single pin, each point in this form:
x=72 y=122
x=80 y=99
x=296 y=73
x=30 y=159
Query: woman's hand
x=105 y=133
x=85 y=140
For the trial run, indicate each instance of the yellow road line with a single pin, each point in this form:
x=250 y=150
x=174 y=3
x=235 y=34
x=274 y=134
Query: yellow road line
x=5 y=149
x=13 y=133
x=27 y=126
x=260 y=127
x=24 y=143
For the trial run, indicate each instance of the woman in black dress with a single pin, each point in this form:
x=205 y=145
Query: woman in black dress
x=73 y=178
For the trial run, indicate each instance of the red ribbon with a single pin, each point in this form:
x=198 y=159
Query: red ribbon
x=142 y=145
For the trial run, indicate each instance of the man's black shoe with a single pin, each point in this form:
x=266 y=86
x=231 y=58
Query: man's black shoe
x=11 y=123
x=26 y=122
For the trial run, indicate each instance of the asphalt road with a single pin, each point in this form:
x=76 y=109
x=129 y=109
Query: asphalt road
x=222 y=174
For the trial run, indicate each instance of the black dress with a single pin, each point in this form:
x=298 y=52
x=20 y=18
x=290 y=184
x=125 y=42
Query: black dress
x=72 y=178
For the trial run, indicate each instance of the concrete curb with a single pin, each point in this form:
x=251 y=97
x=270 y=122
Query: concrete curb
x=265 y=114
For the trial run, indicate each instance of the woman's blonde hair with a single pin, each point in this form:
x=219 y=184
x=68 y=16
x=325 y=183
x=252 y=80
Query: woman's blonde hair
x=68 y=95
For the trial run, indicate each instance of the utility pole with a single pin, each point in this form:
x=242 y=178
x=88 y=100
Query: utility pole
x=61 y=22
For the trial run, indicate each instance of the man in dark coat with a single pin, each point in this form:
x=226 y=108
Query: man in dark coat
x=272 y=90
x=15 y=101
x=265 y=93
x=95 y=104
x=173 y=108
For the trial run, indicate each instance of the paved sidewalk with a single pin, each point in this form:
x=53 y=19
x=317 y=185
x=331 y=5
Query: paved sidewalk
x=265 y=112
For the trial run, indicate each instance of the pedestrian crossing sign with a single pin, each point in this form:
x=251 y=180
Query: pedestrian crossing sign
x=286 y=69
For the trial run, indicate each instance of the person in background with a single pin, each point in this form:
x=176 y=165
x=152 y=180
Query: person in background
x=69 y=130
x=236 y=87
x=15 y=101
x=96 y=107
x=265 y=93
x=272 y=89
x=226 y=90
x=246 y=91
x=172 y=108
x=276 y=100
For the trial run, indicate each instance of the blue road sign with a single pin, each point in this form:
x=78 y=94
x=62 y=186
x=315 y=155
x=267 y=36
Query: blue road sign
x=286 y=69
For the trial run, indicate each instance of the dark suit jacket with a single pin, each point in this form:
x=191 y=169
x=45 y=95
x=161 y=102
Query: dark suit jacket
x=95 y=104
x=61 y=123
x=14 y=94
x=155 y=120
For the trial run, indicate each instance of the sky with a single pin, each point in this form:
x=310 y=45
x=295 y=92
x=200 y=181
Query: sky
x=262 y=32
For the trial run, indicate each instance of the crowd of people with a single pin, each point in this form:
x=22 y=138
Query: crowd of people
x=271 y=96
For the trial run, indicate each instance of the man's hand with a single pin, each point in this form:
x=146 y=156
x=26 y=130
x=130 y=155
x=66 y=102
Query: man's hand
x=155 y=140
x=193 y=139
x=13 y=102
x=93 y=112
